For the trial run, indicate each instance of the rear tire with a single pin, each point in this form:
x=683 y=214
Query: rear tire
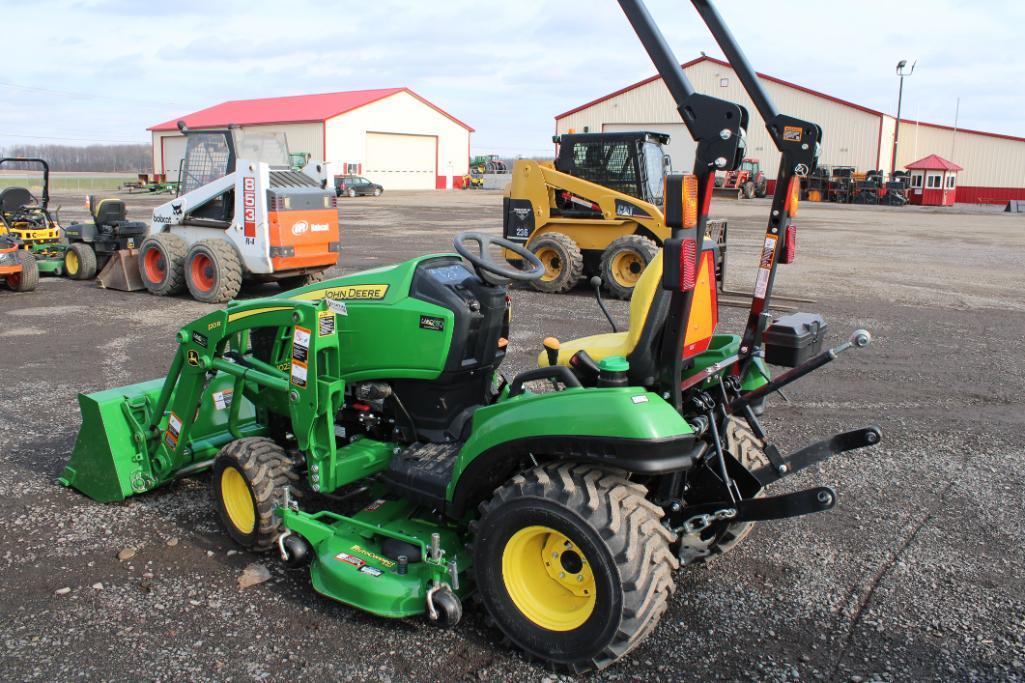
x=162 y=263
x=742 y=444
x=622 y=263
x=80 y=262
x=28 y=278
x=573 y=564
x=294 y=282
x=213 y=271
x=564 y=264
x=352 y=193
x=248 y=483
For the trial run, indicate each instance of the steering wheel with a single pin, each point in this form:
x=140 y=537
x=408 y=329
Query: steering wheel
x=482 y=260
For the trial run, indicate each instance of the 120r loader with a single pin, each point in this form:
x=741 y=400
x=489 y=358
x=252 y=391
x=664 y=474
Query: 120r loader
x=362 y=429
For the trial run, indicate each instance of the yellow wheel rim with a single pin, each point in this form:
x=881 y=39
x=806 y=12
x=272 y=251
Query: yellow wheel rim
x=627 y=267
x=548 y=578
x=238 y=502
x=552 y=262
x=71 y=262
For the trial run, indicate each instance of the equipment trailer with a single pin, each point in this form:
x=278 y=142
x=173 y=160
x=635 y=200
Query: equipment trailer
x=361 y=428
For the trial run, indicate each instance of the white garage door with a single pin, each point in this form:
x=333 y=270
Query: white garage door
x=174 y=152
x=401 y=162
x=681 y=146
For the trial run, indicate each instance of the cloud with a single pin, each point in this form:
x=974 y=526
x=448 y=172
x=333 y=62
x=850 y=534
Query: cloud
x=504 y=67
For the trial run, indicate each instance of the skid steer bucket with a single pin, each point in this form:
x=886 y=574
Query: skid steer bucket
x=122 y=272
x=114 y=452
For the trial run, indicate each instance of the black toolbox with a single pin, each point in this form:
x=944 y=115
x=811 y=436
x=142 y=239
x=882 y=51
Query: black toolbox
x=794 y=338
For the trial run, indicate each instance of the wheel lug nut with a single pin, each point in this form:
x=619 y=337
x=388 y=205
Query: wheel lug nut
x=580 y=577
x=562 y=575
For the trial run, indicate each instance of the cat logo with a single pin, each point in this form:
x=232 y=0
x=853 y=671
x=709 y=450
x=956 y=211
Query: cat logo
x=193 y=357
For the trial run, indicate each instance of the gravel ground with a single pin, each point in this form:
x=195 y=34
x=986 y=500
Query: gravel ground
x=915 y=575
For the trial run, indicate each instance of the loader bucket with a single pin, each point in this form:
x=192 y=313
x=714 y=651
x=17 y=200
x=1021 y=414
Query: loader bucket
x=122 y=272
x=116 y=455
x=107 y=463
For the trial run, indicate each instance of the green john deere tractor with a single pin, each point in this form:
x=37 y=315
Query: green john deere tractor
x=362 y=428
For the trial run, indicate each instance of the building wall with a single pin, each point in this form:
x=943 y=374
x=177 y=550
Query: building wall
x=851 y=135
x=302 y=137
x=994 y=166
x=400 y=114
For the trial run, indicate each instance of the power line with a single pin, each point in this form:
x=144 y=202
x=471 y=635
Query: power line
x=91 y=96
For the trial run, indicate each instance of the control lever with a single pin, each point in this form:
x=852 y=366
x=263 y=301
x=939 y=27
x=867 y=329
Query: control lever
x=552 y=347
x=596 y=284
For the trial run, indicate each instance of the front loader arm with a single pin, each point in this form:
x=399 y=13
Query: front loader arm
x=136 y=438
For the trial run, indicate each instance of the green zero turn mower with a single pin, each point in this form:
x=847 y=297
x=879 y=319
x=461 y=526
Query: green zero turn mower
x=361 y=428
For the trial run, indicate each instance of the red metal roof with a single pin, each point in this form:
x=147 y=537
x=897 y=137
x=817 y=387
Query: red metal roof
x=933 y=162
x=294 y=109
x=816 y=93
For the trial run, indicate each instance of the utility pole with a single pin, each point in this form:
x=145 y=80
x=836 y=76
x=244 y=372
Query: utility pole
x=900 y=96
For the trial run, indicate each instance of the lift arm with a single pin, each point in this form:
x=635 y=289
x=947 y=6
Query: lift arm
x=798 y=143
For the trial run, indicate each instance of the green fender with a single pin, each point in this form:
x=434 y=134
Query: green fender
x=623 y=427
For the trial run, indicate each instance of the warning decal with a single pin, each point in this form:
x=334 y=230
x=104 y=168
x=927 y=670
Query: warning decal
x=325 y=323
x=765 y=266
x=222 y=399
x=792 y=133
x=301 y=344
x=174 y=429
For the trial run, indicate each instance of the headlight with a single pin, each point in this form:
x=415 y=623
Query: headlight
x=8 y=258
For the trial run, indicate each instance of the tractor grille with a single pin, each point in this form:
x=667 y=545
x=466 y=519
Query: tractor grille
x=291 y=179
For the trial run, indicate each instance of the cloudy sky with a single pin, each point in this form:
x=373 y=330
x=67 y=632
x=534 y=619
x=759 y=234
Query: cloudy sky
x=86 y=71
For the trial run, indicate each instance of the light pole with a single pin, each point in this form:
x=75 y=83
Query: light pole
x=900 y=95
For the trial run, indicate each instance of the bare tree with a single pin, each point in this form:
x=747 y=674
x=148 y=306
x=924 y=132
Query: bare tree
x=96 y=158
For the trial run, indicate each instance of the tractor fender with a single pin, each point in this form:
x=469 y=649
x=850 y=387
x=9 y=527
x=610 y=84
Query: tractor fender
x=624 y=428
x=81 y=232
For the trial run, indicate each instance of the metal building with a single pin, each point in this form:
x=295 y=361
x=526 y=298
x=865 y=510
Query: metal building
x=392 y=136
x=994 y=164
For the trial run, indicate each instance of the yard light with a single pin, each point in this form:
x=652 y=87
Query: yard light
x=900 y=95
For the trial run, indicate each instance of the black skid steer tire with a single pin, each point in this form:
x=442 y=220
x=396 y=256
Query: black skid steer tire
x=563 y=261
x=622 y=263
x=553 y=524
x=162 y=263
x=248 y=483
x=213 y=271
x=287 y=283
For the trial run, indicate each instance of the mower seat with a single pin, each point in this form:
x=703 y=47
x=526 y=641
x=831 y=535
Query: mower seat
x=13 y=198
x=601 y=346
x=108 y=211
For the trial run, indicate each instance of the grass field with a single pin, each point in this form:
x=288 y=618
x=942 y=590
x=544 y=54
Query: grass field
x=67 y=182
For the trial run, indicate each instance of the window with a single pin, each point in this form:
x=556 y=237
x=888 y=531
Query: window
x=934 y=181
x=950 y=181
x=916 y=181
x=724 y=82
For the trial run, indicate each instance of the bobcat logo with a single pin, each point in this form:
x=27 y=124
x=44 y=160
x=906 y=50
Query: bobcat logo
x=801 y=170
x=177 y=209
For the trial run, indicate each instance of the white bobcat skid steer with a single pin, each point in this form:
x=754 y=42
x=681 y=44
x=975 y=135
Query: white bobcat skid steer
x=241 y=213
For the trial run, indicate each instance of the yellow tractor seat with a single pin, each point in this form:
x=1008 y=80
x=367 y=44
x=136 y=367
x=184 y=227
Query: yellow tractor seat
x=601 y=346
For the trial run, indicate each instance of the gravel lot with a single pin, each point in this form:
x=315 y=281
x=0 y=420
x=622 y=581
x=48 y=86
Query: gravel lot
x=917 y=574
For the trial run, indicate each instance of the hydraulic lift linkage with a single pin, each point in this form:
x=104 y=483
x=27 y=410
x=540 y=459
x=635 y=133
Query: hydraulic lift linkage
x=719 y=128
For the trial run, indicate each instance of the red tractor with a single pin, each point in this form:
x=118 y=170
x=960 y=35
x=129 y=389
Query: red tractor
x=746 y=182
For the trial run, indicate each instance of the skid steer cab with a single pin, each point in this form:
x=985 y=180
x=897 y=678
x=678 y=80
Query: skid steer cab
x=242 y=213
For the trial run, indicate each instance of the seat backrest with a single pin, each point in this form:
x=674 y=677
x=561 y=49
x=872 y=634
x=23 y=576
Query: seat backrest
x=108 y=211
x=645 y=291
x=13 y=198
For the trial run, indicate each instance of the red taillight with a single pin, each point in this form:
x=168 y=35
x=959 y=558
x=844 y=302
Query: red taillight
x=789 y=245
x=688 y=265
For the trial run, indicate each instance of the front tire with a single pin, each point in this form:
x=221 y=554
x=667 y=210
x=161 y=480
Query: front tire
x=622 y=263
x=80 y=262
x=213 y=271
x=377 y=192
x=162 y=263
x=562 y=259
x=28 y=278
x=748 y=190
x=573 y=564
x=248 y=483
